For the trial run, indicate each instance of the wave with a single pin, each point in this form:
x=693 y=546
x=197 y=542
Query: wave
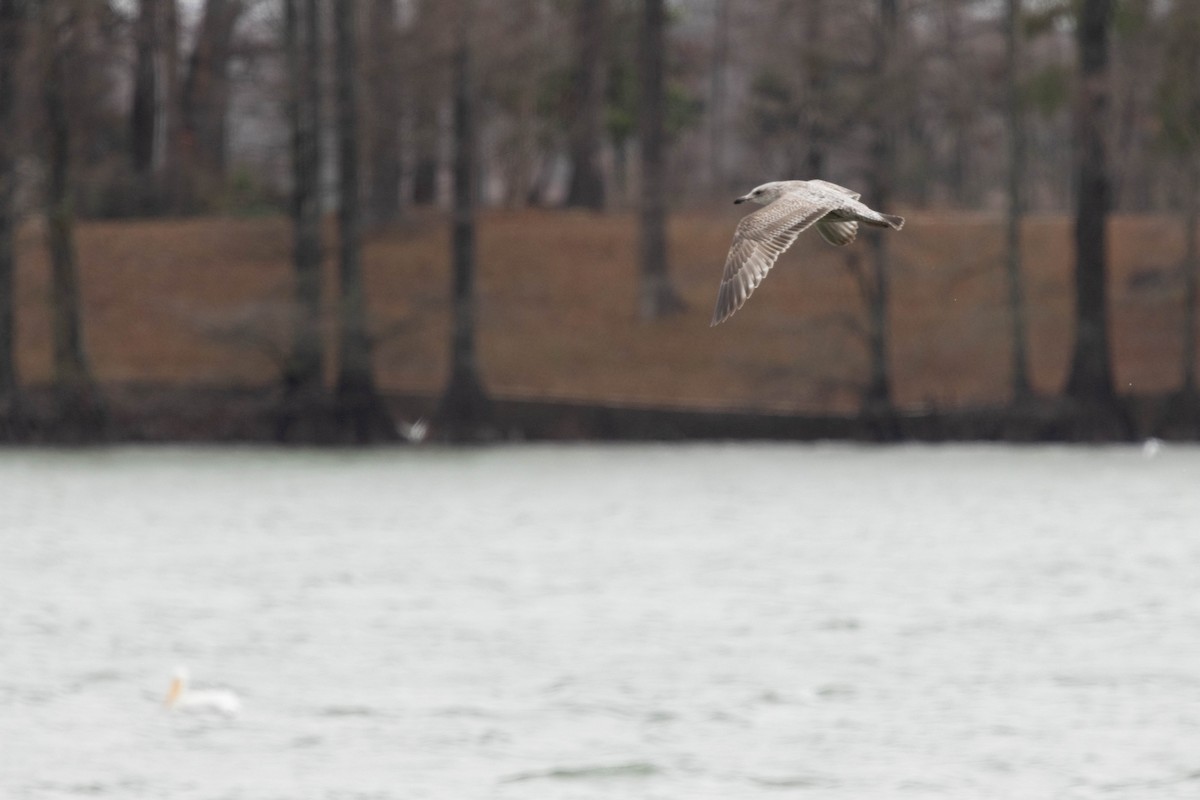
x=632 y=769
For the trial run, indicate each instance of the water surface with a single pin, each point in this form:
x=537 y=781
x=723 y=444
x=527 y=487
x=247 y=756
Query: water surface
x=710 y=621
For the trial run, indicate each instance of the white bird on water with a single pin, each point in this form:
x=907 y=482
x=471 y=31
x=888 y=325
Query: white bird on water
x=181 y=698
x=791 y=207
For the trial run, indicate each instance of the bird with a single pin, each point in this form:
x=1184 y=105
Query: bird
x=181 y=698
x=789 y=208
x=414 y=432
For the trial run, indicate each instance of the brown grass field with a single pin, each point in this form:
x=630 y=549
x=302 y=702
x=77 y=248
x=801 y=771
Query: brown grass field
x=204 y=302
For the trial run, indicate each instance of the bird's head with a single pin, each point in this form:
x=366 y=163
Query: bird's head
x=762 y=195
x=179 y=682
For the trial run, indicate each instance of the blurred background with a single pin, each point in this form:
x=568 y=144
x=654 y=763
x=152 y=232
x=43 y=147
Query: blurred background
x=236 y=219
x=374 y=221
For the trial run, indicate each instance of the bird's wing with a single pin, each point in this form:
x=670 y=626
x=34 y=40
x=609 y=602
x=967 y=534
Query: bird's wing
x=853 y=195
x=837 y=233
x=759 y=240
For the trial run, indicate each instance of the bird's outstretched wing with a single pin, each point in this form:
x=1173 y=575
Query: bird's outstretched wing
x=839 y=232
x=759 y=240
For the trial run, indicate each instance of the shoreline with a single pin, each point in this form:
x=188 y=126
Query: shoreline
x=179 y=414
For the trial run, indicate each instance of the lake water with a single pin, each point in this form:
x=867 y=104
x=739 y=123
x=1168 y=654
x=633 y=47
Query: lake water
x=708 y=621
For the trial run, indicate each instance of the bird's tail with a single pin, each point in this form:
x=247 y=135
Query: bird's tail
x=882 y=221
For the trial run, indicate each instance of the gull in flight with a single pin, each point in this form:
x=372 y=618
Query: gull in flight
x=790 y=208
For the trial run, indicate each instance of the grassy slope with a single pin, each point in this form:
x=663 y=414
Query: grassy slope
x=204 y=301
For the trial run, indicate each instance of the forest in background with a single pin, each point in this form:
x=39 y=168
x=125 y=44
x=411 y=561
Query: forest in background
x=364 y=117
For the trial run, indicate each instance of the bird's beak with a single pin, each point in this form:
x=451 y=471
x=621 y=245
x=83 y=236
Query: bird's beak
x=173 y=693
x=742 y=199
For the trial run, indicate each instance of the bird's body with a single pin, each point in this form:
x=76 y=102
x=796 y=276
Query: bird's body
x=215 y=701
x=790 y=207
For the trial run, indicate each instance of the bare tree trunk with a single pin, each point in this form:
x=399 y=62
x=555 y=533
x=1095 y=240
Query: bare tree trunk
x=1090 y=382
x=658 y=296
x=173 y=109
x=586 y=187
x=959 y=106
x=384 y=86
x=465 y=410
x=1021 y=388
x=425 y=166
x=79 y=413
x=1135 y=58
x=877 y=400
x=1191 y=280
x=206 y=89
x=816 y=80
x=144 y=117
x=718 y=96
x=13 y=19
x=424 y=102
x=360 y=413
x=302 y=412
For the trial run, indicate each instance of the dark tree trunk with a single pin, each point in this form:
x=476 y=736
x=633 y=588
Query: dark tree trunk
x=424 y=101
x=425 y=166
x=206 y=89
x=13 y=21
x=173 y=109
x=302 y=412
x=465 y=411
x=143 y=117
x=79 y=412
x=1090 y=382
x=1191 y=280
x=359 y=412
x=384 y=84
x=958 y=105
x=816 y=80
x=658 y=297
x=1180 y=416
x=1021 y=388
x=877 y=399
x=1178 y=100
x=718 y=92
x=586 y=187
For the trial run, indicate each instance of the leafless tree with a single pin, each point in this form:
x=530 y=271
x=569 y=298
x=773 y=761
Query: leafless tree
x=1090 y=382
x=143 y=117
x=384 y=80
x=425 y=100
x=154 y=114
x=718 y=94
x=1136 y=55
x=658 y=297
x=13 y=22
x=1179 y=121
x=206 y=89
x=877 y=399
x=1191 y=281
x=586 y=125
x=80 y=414
x=816 y=89
x=1021 y=388
x=360 y=414
x=173 y=107
x=464 y=413
x=301 y=414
